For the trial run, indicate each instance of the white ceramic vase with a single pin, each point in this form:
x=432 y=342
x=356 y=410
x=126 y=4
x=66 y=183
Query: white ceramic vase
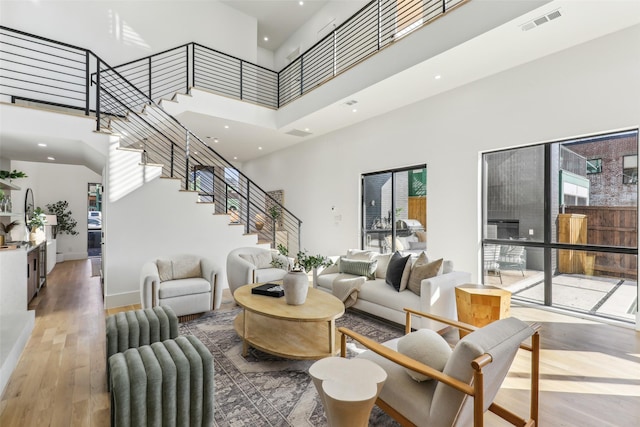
x=296 y=286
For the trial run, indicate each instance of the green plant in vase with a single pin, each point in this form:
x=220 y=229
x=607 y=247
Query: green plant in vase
x=38 y=220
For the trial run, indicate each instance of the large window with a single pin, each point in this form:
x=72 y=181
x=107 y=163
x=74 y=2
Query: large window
x=560 y=226
x=394 y=210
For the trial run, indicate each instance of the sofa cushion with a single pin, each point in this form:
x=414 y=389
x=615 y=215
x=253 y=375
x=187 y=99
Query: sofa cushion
x=359 y=268
x=379 y=293
x=180 y=287
x=358 y=254
x=421 y=272
x=182 y=267
x=395 y=270
x=383 y=262
x=261 y=259
x=425 y=346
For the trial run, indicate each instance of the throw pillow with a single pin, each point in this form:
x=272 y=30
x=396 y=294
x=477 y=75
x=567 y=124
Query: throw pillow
x=406 y=273
x=396 y=267
x=422 y=236
x=359 y=268
x=165 y=269
x=359 y=254
x=421 y=272
x=260 y=259
x=186 y=267
x=383 y=263
x=425 y=346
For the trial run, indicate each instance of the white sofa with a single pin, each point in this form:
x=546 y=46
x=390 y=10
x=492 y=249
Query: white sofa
x=376 y=297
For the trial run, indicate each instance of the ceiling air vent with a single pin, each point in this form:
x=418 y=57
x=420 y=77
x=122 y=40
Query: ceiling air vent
x=541 y=20
x=298 y=132
x=350 y=103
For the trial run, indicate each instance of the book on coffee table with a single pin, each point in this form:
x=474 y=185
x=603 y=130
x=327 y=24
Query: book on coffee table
x=269 y=289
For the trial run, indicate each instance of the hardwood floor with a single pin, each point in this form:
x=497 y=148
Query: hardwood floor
x=590 y=372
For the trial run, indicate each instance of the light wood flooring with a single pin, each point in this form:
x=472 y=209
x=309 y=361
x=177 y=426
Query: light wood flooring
x=590 y=372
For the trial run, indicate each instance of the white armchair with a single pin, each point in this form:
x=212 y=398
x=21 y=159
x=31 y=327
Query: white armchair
x=186 y=283
x=254 y=265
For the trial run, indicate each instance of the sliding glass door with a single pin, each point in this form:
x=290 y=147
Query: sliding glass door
x=394 y=210
x=560 y=224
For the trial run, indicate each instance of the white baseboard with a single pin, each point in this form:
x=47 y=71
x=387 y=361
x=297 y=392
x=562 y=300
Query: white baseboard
x=14 y=333
x=69 y=256
x=120 y=300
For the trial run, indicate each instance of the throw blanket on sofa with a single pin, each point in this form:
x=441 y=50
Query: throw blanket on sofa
x=346 y=288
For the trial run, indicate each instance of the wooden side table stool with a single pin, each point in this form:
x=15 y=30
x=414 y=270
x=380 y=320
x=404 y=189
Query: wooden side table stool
x=348 y=389
x=480 y=305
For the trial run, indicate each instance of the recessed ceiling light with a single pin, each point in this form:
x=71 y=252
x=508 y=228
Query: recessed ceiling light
x=235 y=158
x=42 y=144
x=216 y=140
x=259 y=148
x=266 y=38
x=355 y=110
x=301 y=3
x=226 y=126
x=307 y=129
x=51 y=158
x=438 y=77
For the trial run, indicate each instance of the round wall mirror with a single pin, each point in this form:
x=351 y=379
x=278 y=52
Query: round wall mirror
x=28 y=206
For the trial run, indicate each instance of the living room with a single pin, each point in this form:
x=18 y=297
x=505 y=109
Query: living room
x=321 y=177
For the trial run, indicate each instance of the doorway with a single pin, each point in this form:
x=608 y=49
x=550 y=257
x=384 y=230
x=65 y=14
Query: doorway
x=94 y=220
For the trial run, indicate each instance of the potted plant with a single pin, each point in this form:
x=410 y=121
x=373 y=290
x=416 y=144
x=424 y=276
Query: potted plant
x=6 y=231
x=37 y=221
x=311 y=263
x=66 y=223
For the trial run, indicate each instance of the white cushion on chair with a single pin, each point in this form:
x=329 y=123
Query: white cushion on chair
x=180 y=287
x=425 y=346
x=269 y=274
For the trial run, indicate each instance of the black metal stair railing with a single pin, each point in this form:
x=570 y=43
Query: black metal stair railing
x=37 y=69
x=374 y=27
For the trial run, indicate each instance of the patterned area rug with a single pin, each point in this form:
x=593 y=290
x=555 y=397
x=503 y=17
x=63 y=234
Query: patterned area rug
x=266 y=390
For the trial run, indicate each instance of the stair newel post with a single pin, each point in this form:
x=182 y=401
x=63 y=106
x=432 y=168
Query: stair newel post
x=172 y=161
x=246 y=227
x=186 y=167
x=97 y=94
x=301 y=74
x=299 y=233
x=186 y=90
x=87 y=80
x=150 y=79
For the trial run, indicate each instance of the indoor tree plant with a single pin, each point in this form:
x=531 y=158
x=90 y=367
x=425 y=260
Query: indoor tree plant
x=66 y=223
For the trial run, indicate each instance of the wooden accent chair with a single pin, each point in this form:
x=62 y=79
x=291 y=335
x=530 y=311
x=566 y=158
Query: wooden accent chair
x=469 y=382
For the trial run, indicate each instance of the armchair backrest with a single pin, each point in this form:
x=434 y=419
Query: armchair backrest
x=501 y=340
x=179 y=267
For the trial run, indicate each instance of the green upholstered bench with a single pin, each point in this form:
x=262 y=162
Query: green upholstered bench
x=168 y=383
x=130 y=329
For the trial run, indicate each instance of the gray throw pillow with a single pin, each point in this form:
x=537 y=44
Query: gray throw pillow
x=359 y=268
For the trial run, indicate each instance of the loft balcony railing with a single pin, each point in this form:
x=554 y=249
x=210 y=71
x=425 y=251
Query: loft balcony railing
x=44 y=71
x=374 y=27
x=40 y=70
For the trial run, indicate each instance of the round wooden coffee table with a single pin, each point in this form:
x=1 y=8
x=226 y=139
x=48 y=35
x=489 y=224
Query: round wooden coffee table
x=306 y=331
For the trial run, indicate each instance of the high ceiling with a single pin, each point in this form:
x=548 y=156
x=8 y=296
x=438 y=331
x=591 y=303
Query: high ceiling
x=277 y=19
x=496 y=50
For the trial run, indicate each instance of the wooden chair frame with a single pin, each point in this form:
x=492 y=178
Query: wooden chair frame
x=475 y=390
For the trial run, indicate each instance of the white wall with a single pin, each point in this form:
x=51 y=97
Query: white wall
x=590 y=88
x=335 y=12
x=50 y=183
x=121 y=31
x=157 y=220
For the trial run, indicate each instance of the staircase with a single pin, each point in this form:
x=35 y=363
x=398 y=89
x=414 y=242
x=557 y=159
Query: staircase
x=75 y=79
